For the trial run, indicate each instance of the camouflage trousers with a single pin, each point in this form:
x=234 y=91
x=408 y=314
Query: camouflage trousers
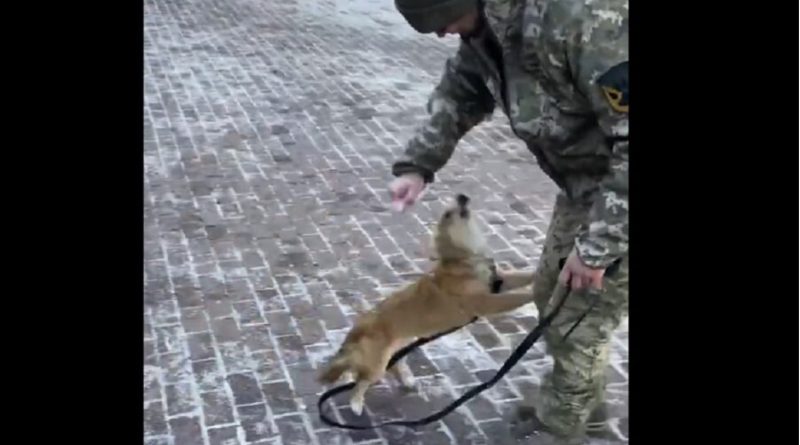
x=576 y=384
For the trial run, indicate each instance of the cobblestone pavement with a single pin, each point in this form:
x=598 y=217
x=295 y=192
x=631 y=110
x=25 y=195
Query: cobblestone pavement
x=270 y=126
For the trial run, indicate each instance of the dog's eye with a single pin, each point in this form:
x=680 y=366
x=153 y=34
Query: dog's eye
x=447 y=215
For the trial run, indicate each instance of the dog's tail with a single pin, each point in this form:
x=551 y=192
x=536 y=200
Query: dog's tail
x=331 y=373
x=348 y=357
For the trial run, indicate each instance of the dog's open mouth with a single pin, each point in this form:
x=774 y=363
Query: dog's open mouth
x=462 y=201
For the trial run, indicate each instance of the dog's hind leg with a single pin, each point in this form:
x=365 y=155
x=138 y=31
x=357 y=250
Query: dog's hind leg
x=357 y=399
x=366 y=377
x=403 y=374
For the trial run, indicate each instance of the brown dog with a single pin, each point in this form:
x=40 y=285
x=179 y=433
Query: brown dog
x=457 y=290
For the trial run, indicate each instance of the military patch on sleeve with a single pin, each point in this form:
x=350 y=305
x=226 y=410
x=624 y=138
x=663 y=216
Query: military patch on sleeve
x=614 y=84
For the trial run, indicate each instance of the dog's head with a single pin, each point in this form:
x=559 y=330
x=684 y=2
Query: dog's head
x=457 y=235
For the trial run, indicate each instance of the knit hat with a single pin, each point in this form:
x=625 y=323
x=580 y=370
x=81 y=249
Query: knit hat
x=427 y=16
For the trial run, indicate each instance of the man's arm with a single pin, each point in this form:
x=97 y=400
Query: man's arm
x=459 y=102
x=601 y=68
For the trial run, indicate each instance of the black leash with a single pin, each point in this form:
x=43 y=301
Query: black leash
x=512 y=360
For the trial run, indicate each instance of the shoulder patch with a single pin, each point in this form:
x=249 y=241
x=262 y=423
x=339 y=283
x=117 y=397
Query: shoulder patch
x=614 y=84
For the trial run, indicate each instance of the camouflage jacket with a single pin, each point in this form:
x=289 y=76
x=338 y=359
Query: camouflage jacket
x=559 y=70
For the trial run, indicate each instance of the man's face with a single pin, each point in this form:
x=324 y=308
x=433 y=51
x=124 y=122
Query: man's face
x=463 y=26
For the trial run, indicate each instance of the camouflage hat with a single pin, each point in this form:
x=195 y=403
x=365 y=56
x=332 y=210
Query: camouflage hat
x=427 y=16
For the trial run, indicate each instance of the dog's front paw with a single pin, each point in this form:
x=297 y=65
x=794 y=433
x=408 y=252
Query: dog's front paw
x=405 y=377
x=408 y=382
x=516 y=280
x=357 y=406
x=528 y=278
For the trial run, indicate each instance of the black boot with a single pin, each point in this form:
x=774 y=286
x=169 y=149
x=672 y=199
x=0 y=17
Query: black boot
x=598 y=427
x=528 y=429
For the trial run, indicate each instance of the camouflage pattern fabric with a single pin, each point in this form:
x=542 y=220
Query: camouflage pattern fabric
x=577 y=382
x=559 y=71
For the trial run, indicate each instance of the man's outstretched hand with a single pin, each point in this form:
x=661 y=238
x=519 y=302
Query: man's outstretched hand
x=406 y=190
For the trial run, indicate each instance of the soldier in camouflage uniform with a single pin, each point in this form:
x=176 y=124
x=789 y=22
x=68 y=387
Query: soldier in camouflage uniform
x=559 y=70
